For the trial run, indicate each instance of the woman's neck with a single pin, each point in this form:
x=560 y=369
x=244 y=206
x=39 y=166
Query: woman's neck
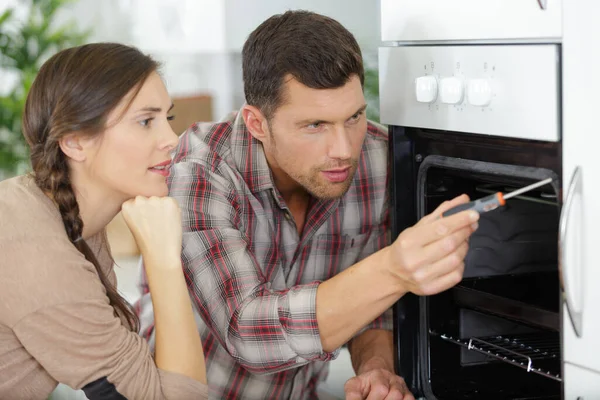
x=96 y=207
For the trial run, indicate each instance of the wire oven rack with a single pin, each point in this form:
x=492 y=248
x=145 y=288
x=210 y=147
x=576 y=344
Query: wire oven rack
x=520 y=350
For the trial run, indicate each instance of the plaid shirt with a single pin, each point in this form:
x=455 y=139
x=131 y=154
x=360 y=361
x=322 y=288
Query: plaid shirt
x=252 y=278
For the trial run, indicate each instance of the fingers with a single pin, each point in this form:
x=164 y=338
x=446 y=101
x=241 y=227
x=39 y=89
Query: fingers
x=424 y=234
x=377 y=385
x=155 y=223
x=399 y=390
x=441 y=265
x=445 y=206
x=444 y=255
x=145 y=205
x=372 y=386
x=442 y=283
x=408 y=396
x=388 y=387
x=443 y=227
x=395 y=394
x=430 y=256
x=354 y=396
x=354 y=389
x=380 y=387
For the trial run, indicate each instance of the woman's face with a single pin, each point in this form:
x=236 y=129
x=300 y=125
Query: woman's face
x=132 y=156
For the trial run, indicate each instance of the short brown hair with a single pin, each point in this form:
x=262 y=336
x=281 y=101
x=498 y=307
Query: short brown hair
x=314 y=49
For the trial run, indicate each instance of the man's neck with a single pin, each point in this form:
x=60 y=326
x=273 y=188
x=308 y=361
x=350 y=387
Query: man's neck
x=298 y=203
x=296 y=198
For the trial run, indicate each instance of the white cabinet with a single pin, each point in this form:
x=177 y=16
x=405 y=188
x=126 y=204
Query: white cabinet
x=411 y=20
x=581 y=383
x=580 y=218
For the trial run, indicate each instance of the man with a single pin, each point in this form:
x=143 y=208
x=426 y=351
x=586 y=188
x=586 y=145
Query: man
x=286 y=225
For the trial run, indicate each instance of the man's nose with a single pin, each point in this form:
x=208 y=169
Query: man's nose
x=340 y=146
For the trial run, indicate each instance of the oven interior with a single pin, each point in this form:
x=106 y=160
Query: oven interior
x=496 y=335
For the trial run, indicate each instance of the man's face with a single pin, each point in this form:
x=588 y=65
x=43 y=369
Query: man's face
x=314 y=139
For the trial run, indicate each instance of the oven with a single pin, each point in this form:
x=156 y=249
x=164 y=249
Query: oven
x=477 y=110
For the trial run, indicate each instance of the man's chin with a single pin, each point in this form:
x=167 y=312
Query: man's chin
x=331 y=191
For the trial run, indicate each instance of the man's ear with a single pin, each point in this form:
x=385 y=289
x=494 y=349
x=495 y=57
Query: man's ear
x=73 y=146
x=256 y=122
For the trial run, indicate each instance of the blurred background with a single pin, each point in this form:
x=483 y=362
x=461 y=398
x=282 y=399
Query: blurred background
x=199 y=44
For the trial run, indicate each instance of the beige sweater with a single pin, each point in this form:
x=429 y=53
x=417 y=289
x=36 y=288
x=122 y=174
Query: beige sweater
x=56 y=324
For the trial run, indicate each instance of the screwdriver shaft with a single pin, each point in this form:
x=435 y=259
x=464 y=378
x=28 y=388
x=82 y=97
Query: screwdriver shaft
x=527 y=188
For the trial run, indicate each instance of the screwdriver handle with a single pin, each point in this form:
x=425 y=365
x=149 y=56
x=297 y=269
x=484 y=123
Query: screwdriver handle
x=482 y=205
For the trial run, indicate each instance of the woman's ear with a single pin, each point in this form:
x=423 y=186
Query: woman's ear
x=256 y=122
x=73 y=147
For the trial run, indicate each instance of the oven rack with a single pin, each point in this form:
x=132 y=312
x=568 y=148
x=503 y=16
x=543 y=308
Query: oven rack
x=519 y=350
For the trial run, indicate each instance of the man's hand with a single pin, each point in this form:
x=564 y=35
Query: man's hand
x=377 y=384
x=428 y=257
x=375 y=381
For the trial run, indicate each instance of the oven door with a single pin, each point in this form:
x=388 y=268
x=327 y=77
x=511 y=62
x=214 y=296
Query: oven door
x=459 y=20
x=496 y=335
x=580 y=220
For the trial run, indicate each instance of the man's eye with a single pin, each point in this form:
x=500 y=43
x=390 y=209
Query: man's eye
x=316 y=125
x=356 y=116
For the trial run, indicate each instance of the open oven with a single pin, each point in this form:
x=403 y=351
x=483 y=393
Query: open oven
x=496 y=335
x=477 y=117
x=483 y=96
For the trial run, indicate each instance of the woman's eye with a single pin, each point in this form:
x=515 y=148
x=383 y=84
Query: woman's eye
x=316 y=125
x=170 y=118
x=146 y=122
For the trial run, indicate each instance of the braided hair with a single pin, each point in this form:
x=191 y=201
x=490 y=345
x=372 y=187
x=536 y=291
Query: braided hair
x=75 y=91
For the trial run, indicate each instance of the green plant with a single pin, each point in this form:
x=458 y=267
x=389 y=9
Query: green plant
x=371 y=90
x=26 y=41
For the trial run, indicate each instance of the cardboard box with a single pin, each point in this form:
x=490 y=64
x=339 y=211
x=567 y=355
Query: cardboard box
x=188 y=110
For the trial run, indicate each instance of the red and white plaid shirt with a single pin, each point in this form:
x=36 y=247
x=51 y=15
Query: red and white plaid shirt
x=252 y=278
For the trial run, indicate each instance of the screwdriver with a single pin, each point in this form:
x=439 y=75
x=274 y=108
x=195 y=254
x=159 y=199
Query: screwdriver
x=493 y=201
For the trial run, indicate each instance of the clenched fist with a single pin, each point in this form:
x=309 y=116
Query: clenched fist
x=155 y=223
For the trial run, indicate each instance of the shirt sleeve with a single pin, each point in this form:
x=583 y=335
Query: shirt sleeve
x=72 y=331
x=265 y=330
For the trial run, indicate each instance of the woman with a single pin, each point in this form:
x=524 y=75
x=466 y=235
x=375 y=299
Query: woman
x=96 y=120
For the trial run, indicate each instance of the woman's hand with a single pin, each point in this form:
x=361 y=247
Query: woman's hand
x=156 y=226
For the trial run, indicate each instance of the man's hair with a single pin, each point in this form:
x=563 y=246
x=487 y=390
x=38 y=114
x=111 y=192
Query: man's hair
x=314 y=49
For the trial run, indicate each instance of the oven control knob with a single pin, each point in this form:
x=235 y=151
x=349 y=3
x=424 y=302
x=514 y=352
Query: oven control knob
x=479 y=92
x=451 y=90
x=426 y=89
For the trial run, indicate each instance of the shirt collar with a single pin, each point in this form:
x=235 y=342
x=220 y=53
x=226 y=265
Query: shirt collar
x=249 y=157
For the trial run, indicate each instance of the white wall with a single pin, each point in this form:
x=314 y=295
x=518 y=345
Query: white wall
x=158 y=26
x=361 y=17
x=199 y=41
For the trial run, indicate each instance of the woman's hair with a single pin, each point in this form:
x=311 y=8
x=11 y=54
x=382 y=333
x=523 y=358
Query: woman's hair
x=75 y=91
